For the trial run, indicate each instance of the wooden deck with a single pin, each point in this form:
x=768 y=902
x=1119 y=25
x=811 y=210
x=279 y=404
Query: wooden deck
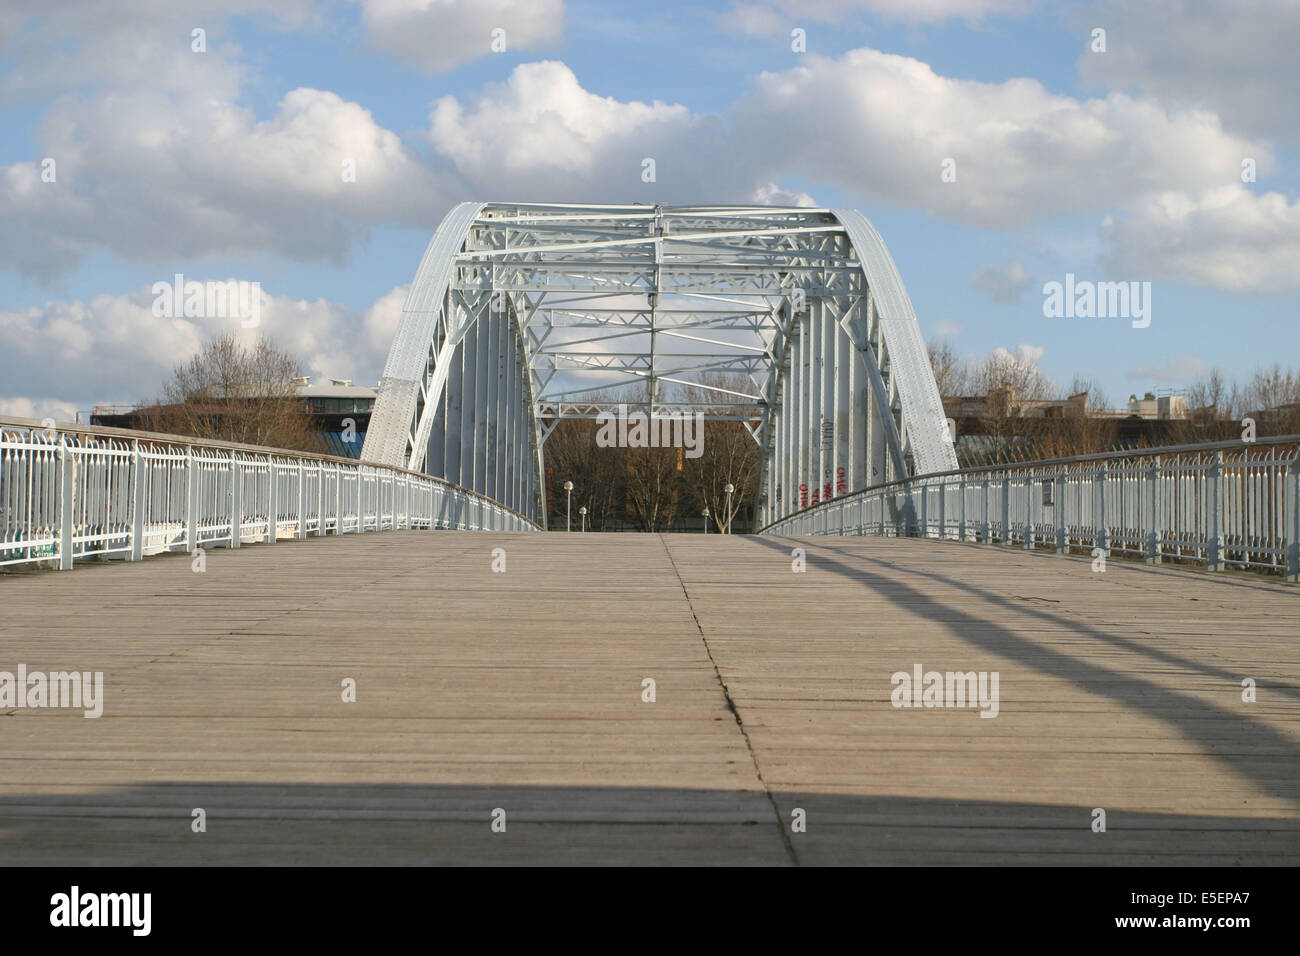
x=523 y=691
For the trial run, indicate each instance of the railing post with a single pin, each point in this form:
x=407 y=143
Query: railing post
x=1153 y=510
x=1030 y=486
x=338 y=498
x=1102 y=531
x=924 y=523
x=1214 y=511
x=987 y=525
x=1006 y=511
x=1291 y=519
x=943 y=510
x=273 y=499
x=191 y=501
x=1059 y=505
x=66 y=511
x=138 y=489
x=961 y=523
x=320 y=499
x=302 y=501
x=236 y=502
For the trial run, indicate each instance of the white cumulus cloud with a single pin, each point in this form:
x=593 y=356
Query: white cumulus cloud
x=883 y=126
x=440 y=35
x=1226 y=238
x=113 y=348
x=1003 y=281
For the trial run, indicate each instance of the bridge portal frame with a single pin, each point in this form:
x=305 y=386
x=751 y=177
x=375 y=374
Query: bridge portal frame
x=802 y=310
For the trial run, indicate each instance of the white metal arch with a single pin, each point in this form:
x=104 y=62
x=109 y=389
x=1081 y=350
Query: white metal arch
x=793 y=320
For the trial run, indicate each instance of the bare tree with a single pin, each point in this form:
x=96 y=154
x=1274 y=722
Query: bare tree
x=654 y=486
x=1063 y=436
x=1087 y=385
x=653 y=476
x=1212 y=397
x=1212 y=401
x=235 y=393
x=728 y=455
x=1272 y=395
x=599 y=475
x=951 y=372
x=1008 y=381
x=1018 y=375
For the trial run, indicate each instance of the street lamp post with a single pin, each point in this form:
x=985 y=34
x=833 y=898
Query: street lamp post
x=705 y=512
x=729 y=489
x=568 y=505
x=583 y=511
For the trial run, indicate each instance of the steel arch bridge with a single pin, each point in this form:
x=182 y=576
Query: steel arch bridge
x=792 y=320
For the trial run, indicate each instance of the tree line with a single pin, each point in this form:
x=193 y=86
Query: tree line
x=230 y=391
x=1006 y=383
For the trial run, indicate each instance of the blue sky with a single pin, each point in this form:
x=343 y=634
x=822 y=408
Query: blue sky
x=1123 y=164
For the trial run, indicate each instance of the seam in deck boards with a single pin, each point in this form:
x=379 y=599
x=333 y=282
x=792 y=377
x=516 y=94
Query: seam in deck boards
x=735 y=711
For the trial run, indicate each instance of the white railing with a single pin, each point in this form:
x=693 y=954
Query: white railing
x=69 y=492
x=1228 y=504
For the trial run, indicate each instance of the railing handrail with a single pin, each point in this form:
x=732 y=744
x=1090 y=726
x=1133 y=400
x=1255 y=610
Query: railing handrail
x=132 y=434
x=1044 y=463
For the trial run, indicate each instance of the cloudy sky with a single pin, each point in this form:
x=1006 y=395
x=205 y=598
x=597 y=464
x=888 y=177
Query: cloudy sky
x=224 y=164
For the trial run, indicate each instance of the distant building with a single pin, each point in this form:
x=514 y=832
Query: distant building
x=332 y=404
x=1007 y=403
x=989 y=427
x=1165 y=406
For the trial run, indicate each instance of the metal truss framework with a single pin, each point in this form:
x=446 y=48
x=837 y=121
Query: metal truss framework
x=792 y=320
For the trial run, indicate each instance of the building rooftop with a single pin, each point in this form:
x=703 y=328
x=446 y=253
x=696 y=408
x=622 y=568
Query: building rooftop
x=334 y=388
